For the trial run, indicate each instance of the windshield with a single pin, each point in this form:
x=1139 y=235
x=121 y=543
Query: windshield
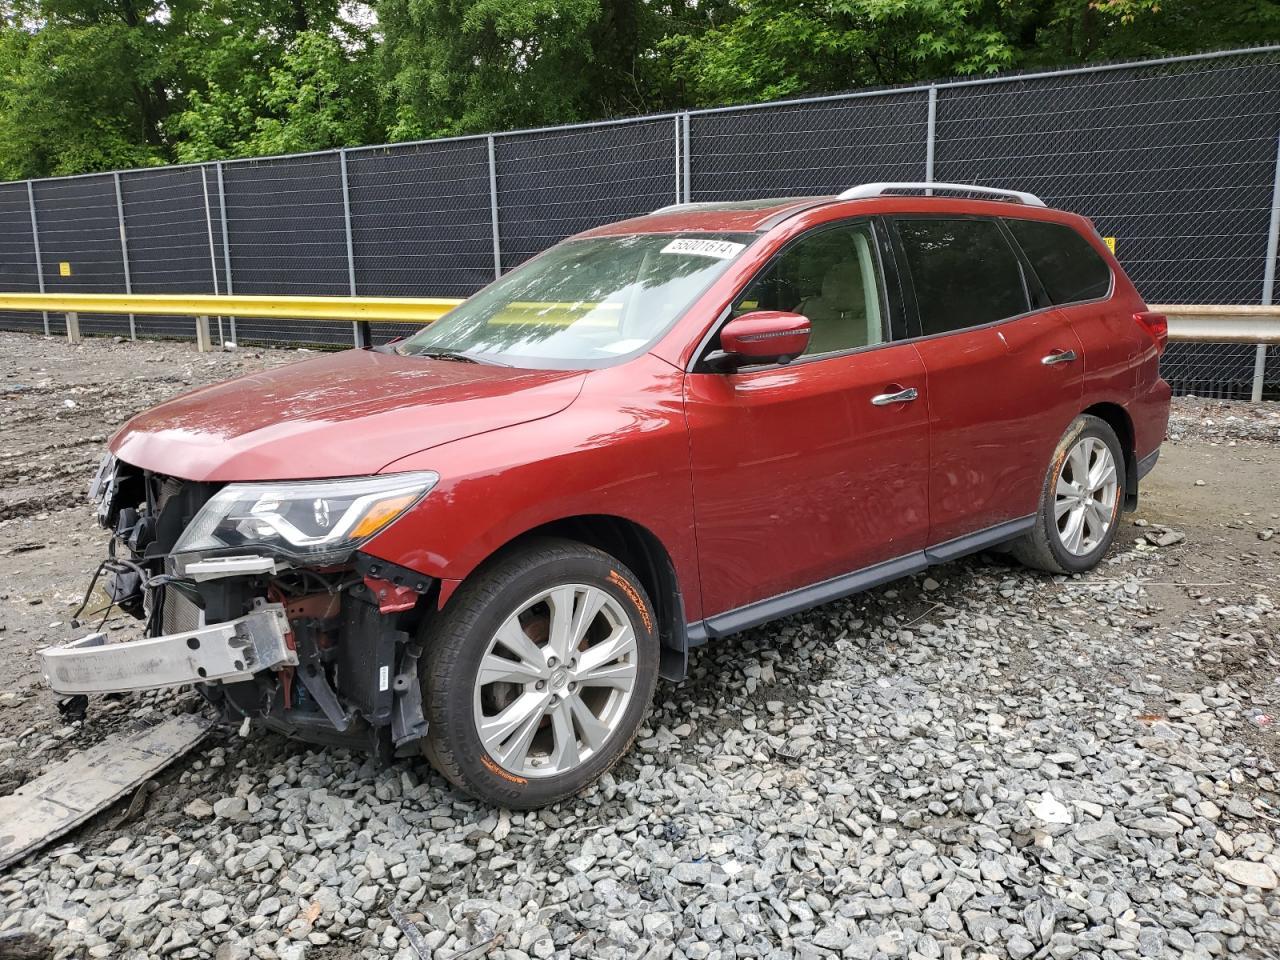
x=583 y=302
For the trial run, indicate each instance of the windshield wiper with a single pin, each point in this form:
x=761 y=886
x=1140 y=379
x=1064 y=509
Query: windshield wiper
x=445 y=355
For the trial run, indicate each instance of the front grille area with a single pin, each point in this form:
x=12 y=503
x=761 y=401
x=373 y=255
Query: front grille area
x=180 y=614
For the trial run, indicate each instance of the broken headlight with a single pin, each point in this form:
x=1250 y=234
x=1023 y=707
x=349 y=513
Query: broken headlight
x=102 y=489
x=312 y=521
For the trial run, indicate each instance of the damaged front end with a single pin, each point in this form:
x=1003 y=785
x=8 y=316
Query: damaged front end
x=258 y=594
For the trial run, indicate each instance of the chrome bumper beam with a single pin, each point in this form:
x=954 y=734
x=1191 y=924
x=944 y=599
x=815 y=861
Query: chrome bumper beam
x=226 y=652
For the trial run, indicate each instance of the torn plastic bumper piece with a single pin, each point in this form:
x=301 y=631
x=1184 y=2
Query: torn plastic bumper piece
x=229 y=651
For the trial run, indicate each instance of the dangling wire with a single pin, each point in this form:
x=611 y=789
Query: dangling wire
x=117 y=565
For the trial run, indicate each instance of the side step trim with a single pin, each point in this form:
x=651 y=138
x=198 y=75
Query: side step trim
x=805 y=598
x=974 y=542
x=812 y=596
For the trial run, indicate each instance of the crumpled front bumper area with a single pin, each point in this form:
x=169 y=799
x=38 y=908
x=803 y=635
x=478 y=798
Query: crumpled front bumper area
x=227 y=652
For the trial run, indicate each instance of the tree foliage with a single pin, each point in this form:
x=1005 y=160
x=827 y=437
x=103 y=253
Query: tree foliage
x=100 y=84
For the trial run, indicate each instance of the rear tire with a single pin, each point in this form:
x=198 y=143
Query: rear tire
x=1080 y=501
x=538 y=674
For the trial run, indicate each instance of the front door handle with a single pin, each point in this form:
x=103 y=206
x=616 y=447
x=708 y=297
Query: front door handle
x=902 y=396
x=1058 y=356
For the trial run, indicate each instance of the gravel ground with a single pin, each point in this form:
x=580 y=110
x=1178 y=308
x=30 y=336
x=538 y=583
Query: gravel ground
x=980 y=762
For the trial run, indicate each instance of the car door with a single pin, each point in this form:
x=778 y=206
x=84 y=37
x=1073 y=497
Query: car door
x=803 y=472
x=1079 y=282
x=1003 y=377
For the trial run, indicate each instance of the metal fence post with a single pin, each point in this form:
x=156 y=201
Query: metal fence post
x=688 y=165
x=679 y=142
x=1268 y=278
x=931 y=135
x=493 y=209
x=124 y=252
x=35 y=245
x=226 y=242
x=360 y=332
x=213 y=255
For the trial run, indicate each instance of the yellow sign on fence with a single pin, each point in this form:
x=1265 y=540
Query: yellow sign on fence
x=1111 y=243
x=64 y=269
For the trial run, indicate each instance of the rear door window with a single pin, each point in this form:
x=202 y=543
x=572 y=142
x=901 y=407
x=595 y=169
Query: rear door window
x=963 y=271
x=1069 y=268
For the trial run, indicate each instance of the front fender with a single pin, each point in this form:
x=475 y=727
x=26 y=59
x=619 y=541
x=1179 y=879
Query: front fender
x=621 y=450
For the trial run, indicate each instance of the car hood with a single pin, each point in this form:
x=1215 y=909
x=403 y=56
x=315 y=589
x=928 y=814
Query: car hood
x=340 y=414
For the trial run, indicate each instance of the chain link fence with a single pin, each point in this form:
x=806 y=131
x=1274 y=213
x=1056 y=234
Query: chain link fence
x=1176 y=159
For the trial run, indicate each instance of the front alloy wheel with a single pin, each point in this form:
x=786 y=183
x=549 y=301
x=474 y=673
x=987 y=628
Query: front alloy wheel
x=538 y=673
x=556 y=680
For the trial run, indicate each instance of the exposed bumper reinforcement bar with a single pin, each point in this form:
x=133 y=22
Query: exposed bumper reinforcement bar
x=230 y=651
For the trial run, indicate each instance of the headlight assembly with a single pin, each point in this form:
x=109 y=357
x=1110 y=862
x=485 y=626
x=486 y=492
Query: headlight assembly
x=102 y=489
x=313 y=521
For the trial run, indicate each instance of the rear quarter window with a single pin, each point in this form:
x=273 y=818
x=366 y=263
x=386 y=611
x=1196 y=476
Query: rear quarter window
x=1069 y=268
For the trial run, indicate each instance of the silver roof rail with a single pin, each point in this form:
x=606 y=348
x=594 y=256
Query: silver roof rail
x=867 y=190
x=684 y=205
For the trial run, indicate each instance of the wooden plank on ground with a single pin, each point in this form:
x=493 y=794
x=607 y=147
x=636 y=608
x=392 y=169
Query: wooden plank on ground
x=72 y=791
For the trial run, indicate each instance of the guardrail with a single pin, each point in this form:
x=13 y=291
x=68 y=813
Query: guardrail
x=1193 y=323
x=1226 y=323
x=359 y=311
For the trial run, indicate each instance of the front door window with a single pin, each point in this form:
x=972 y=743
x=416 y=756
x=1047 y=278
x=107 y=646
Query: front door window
x=830 y=277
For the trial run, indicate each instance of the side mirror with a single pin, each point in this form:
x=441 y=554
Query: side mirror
x=762 y=336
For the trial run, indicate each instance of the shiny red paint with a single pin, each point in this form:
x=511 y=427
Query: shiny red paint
x=341 y=414
x=754 y=482
x=766 y=334
x=497 y=485
x=995 y=414
x=1121 y=358
x=798 y=477
x=717 y=218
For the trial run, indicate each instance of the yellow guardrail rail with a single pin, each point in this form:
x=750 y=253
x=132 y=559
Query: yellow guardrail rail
x=370 y=309
x=360 y=311
x=1193 y=323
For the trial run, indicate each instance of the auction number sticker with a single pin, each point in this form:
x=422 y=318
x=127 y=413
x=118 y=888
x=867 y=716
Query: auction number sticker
x=719 y=249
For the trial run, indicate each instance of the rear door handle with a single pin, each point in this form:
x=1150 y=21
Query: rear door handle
x=1058 y=356
x=902 y=396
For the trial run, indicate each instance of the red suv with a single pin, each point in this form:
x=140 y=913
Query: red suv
x=488 y=541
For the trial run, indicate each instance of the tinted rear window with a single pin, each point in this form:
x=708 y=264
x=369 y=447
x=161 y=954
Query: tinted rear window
x=964 y=273
x=1067 y=265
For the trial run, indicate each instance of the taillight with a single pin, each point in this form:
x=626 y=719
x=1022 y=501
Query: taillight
x=1156 y=324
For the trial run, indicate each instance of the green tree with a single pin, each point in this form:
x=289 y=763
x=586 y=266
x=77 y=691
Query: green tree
x=83 y=84
x=275 y=76
x=96 y=84
x=1062 y=32
x=779 y=48
x=318 y=90
x=462 y=66
x=761 y=49
x=100 y=84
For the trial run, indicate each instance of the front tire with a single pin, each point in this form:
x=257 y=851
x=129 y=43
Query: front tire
x=538 y=674
x=1080 y=502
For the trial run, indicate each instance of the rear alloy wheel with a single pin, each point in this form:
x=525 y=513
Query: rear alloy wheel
x=1080 y=503
x=1084 y=505
x=538 y=674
